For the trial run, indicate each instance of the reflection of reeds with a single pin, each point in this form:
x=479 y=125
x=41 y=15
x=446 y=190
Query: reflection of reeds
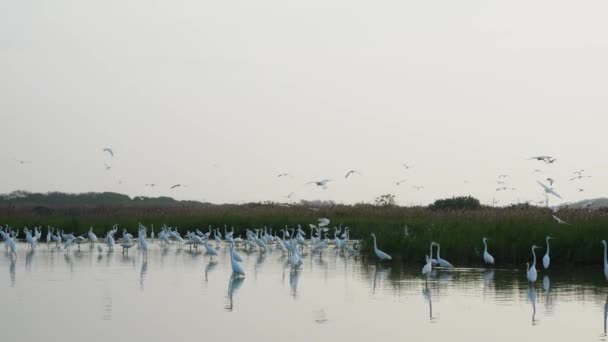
x=512 y=230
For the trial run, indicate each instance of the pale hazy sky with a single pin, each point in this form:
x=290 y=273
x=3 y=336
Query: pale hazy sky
x=461 y=90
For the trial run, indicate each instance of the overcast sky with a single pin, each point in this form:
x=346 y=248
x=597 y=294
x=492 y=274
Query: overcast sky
x=224 y=95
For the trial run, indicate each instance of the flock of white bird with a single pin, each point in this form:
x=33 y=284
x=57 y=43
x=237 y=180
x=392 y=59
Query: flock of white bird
x=291 y=241
x=488 y=259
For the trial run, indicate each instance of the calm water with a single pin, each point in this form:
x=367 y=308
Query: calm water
x=184 y=295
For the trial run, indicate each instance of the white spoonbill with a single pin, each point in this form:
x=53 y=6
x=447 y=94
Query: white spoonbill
x=531 y=273
x=546 y=258
x=487 y=258
x=380 y=254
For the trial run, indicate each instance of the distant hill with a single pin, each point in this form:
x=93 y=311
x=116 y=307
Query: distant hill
x=601 y=202
x=60 y=199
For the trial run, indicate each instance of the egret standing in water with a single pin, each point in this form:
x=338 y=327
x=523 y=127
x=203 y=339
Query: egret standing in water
x=237 y=269
x=605 y=260
x=487 y=258
x=380 y=254
x=433 y=261
x=531 y=271
x=426 y=270
x=546 y=258
x=441 y=262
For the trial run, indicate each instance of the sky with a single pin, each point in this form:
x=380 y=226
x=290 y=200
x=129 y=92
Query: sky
x=222 y=96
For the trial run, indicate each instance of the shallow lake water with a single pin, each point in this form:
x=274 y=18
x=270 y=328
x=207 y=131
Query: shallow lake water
x=190 y=296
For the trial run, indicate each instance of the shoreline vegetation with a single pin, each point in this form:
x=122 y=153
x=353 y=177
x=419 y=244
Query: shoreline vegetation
x=403 y=232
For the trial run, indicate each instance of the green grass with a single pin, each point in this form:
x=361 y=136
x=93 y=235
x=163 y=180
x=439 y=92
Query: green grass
x=512 y=231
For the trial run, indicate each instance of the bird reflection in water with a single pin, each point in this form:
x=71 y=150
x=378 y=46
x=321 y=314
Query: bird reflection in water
x=294 y=276
x=605 y=315
x=210 y=266
x=142 y=273
x=532 y=299
x=426 y=293
x=11 y=270
x=234 y=283
x=28 y=259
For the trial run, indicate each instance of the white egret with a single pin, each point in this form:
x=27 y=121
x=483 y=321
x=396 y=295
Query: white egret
x=549 y=190
x=49 y=234
x=546 y=258
x=351 y=172
x=92 y=236
x=531 y=269
x=210 y=250
x=426 y=269
x=237 y=269
x=380 y=254
x=433 y=261
x=322 y=183
x=487 y=258
x=559 y=221
x=605 y=260
x=109 y=150
x=442 y=262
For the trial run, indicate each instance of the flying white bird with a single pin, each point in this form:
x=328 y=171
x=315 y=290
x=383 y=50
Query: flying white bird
x=323 y=222
x=551 y=181
x=559 y=221
x=399 y=182
x=322 y=184
x=150 y=185
x=407 y=167
x=109 y=150
x=579 y=177
x=282 y=175
x=108 y=167
x=290 y=194
x=546 y=159
x=351 y=172
x=22 y=161
x=175 y=186
x=418 y=187
x=549 y=190
x=503 y=176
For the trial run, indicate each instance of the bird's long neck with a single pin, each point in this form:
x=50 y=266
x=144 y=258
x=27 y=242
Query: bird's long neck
x=534 y=256
x=485 y=244
x=375 y=247
x=548 y=247
x=438 y=251
x=605 y=259
x=431 y=251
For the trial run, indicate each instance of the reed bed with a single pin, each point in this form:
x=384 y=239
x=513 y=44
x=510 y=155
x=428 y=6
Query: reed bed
x=512 y=230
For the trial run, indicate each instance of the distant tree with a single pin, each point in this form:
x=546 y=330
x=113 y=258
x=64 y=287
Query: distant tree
x=385 y=200
x=456 y=203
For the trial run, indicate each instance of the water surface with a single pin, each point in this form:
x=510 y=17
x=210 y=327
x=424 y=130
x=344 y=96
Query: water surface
x=176 y=293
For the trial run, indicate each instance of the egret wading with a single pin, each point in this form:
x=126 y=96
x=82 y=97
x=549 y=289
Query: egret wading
x=531 y=271
x=546 y=258
x=380 y=254
x=487 y=258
